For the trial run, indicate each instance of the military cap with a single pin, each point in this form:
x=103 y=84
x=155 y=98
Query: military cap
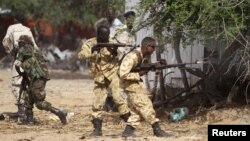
x=129 y=13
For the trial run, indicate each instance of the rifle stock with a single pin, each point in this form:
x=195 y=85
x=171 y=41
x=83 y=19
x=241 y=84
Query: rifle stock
x=98 y=46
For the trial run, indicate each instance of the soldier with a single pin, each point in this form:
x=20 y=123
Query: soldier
x=112 y=19
x=10 y=44
x=137 y=97
x=35 y=75
x=104 y=67
x=124 y=34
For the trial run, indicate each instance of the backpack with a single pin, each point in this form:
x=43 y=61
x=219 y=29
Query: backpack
x=33 y=63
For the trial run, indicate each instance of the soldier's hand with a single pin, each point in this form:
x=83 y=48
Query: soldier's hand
x=162 y=61
x=142 y=72
x=17 y=63
x=93 y=49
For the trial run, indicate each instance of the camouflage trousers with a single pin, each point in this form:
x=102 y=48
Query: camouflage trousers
x=100 y=94
x=139 y=103
x=16 y=86
x=36 y=95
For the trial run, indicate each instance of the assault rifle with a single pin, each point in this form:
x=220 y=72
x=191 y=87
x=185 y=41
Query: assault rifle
x=158 y=66
x=112 y=46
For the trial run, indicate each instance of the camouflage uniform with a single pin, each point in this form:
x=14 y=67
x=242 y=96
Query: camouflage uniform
x=36 y=75
x=36 y=72
x=122 y=35
x=104 y=67
x=133 y=86
x=85 y=53
x=10 y=44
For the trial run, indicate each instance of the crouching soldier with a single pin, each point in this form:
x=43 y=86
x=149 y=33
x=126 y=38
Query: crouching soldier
x=35 y=75
x=138 y=101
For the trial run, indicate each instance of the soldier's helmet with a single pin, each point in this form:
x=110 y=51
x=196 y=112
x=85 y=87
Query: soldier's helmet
x=20 y=18
x=25 y=39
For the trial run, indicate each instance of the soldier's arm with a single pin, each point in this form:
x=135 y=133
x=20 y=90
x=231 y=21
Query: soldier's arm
x=85 y=52
x=7 y=43
x=33 y=40
x=107 y=52
x=129 y=61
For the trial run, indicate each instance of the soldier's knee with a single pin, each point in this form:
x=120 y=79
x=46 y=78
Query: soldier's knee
x=39 y=95
x=96 y=108
x=43 y=105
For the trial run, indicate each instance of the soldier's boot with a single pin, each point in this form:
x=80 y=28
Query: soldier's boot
x=61 y=114
x=20 y=112
x=29 y=117
x=97 y=123
x=2 y=116
x=110 y=105
x=128 y=132
x=125 y=116
x=158 y=131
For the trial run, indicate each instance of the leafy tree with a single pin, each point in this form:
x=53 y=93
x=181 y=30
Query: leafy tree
x=181 y=21
x=227 y=20
x=57 y=12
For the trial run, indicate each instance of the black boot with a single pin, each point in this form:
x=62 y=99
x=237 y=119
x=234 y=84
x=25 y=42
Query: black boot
x=125 y=116
x=110 y=105
x=97 y=123
x=129 y=131
x=20 y=113
x=1 y=116
x=29 y=117
x=21 y=110
x=158 y=131
x=61 y=114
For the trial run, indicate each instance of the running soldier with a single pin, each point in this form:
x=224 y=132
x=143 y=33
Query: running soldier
x=35 y=75
x=10 y=44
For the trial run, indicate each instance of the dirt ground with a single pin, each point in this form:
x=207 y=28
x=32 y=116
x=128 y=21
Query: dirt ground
x=73 y=93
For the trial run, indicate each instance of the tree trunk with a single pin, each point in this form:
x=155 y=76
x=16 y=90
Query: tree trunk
x=176 y=45
x=162 y=92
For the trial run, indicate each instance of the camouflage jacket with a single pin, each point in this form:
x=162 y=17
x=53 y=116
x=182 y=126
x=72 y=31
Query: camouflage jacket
x=85 y=53
x=33 y=63
x=130 y=61
x=103 y=64
x=122 y=35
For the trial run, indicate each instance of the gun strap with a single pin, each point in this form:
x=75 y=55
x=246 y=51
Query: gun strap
x=138 y=54
x=133 y=49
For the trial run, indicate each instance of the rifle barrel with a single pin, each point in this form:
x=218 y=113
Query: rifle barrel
x=115 y=45
x=157 y=66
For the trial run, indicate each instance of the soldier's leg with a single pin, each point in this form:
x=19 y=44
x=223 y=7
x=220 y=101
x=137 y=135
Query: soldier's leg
x=143 y=105
x=98 y=103
x=15 y=88
x=39 y=95
x=28 y=103
x=109 y=102
x=132 y=122
x=118 y=99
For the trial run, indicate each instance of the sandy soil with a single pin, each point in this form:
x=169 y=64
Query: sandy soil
x=73 y=93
